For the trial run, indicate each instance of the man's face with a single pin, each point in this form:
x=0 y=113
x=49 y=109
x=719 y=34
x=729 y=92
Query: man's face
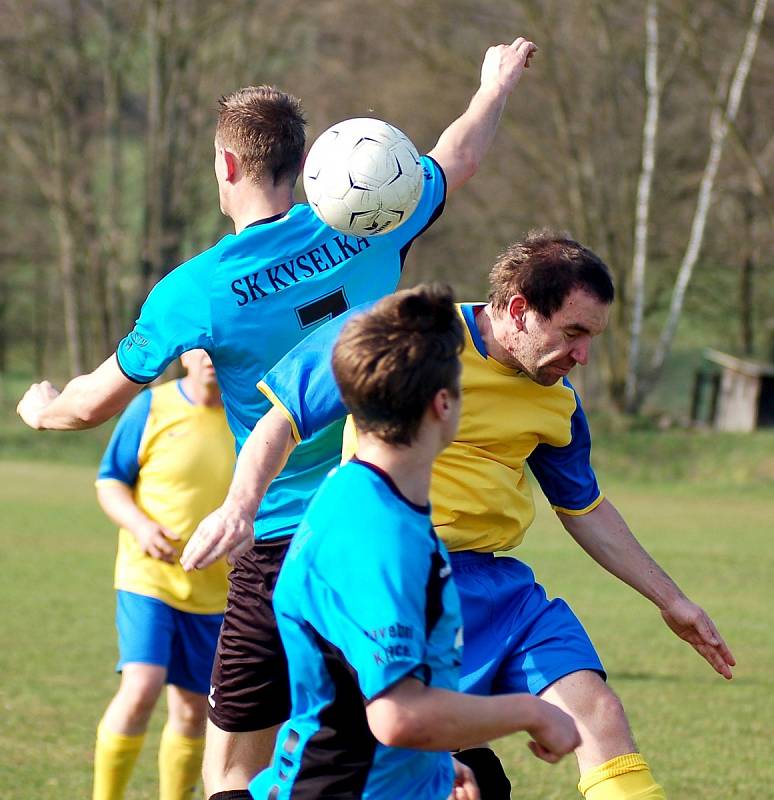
x=198 y=365
x=547 y=349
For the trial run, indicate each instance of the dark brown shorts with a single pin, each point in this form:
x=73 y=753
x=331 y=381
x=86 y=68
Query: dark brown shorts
x=250 y=690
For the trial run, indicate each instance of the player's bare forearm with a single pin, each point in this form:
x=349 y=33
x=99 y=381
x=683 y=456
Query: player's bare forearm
x=228 y=531
x=606 y=537
x=462 y=146
x=263 y=456
x=117 y=501
x=425 y=718
x=86 y=401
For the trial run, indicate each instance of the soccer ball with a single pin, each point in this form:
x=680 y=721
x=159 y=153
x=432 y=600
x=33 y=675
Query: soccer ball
x=363 y=176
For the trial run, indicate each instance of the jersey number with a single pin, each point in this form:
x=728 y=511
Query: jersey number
x=323 y=308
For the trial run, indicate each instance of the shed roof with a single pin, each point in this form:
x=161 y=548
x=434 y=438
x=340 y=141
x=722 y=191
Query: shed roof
x=745 y=366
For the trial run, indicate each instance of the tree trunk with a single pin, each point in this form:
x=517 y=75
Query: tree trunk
x=719 y=125
x=152 y=229
x=747 y=278
x=111 y=312
x=642 y=214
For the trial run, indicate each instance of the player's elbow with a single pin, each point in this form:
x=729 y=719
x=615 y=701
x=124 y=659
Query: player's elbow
x=395 y=725
x=88 y=411
x=466 y=164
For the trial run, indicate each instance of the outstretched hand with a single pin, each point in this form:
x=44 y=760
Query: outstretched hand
x=692 y=624
x=221 y=533
x=504 y=63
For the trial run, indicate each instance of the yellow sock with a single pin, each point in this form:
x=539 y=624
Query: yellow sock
x=180 y=764
x=114 y=759
x=622 y=778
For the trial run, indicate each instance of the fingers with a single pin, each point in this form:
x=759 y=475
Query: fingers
x=524 y=49
x=717 y=659
x=712 y=646
x=198 y=551
x=168 y=534
x=465 y=786
x=540 y=752
x=160 y=549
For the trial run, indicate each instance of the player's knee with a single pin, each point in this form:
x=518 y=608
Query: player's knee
x=188 y=713
x=137 y=705
x=138 y=694
x=493 y=783
x=605 y=715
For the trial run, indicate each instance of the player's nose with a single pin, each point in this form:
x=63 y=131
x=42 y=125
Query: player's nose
x=580 y=352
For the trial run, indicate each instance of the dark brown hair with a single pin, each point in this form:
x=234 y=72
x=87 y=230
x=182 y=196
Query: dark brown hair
x=545 y=267
x=266 y=130
x=393 y=359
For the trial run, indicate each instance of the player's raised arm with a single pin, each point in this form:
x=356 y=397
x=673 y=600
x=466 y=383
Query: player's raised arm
x=462 y=146
x=85 y=402
x=228 y=531
x=606 y=537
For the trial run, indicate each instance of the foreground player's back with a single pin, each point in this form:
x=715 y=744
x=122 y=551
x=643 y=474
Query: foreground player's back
x=364 y=600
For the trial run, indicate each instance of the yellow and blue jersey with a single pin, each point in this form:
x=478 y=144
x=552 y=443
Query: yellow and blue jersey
x=178 y=459
x=250 y=299
x=364 y=600
x=481 y=497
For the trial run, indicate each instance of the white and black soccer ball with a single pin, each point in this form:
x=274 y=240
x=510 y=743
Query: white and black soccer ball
x=363 y=176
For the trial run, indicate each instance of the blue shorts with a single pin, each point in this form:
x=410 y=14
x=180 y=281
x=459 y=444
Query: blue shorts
x=516 y=640
x=151 y=632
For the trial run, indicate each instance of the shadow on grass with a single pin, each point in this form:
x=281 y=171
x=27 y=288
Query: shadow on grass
x=653 y=677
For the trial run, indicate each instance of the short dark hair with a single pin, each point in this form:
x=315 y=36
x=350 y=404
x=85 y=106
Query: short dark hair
x=393 y=359
x=545 y=267
x=266 y=129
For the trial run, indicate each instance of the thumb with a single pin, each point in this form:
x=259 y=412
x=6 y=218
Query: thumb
x=169 y=534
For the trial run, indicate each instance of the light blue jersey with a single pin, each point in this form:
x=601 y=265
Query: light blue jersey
x=250 y=299
x=364 y=600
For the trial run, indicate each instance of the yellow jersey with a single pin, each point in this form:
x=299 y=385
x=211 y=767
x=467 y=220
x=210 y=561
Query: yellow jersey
x=178 y=458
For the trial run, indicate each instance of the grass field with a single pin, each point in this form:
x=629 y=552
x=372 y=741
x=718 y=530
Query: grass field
x=704 y=738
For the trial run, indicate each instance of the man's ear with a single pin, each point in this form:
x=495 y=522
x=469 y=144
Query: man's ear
x=517 y=309
x=232 y=165
x=442 y=404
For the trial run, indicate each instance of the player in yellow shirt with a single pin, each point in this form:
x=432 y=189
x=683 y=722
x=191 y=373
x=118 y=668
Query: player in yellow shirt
x=549 y=297
x=168 y=465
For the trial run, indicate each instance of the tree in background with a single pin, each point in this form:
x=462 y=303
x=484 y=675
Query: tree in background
x=108 y=109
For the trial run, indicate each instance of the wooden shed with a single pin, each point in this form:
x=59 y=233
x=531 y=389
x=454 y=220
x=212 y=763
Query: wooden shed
x=741 y=393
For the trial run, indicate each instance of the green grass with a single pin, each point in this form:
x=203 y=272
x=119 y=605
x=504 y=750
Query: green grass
x=703 y=737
